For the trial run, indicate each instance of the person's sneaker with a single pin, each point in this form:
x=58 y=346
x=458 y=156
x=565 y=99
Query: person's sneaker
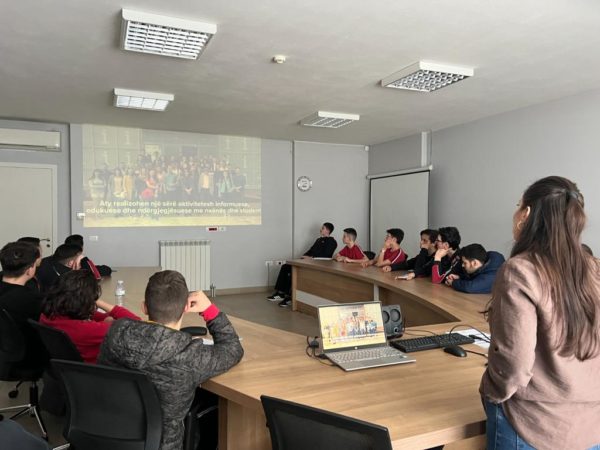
x=286 y=302
x=276 y=297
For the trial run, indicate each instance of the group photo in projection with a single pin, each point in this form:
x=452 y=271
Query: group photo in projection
x=134 y=177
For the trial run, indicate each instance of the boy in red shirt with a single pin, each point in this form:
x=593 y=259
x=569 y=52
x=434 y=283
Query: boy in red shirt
x=351 y=253
x=391 y=252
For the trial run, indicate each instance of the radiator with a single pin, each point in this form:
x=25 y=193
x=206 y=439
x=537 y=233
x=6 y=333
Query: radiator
x=189 y=257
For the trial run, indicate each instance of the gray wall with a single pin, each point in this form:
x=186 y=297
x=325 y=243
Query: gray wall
x=339 y=193
x=481 y=168
x=394 y=155
x=59 y=159
x=238 y=255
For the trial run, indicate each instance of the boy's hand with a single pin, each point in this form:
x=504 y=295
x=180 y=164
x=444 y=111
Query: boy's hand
x=410 y=275
x=440 y=253
x=387 y=268
x=198 y=302
x=450 y=279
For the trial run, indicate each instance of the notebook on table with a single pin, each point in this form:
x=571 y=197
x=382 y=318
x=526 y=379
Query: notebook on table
x=353 y=336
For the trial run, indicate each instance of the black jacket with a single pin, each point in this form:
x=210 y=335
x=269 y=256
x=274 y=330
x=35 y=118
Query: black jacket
x=49 y=272
x=322 y=248
x=23 y=303
x=174 y=362
x=420 y=264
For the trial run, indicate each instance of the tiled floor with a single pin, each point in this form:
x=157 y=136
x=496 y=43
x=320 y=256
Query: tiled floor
x=253 y=307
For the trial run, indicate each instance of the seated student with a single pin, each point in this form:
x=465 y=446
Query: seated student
x=446 y=259
x=351 y=253
x=66 y=257
x=479 y=268
x=71 y=306
x=391 y=252
x=86 y=263
x=323 y=247
x=18 y=261
x=33 y=283
x=173 y=361
x=421 y=264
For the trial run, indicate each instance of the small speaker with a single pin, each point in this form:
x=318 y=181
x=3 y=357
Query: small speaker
x=392 y=321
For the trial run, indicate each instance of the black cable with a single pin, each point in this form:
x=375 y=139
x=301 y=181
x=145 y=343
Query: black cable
x=476 y=353
x=313 y=345
x=483 y=335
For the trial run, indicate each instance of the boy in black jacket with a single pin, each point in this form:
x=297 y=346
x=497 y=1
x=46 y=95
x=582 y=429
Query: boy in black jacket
x=479 y=270
x=173 y=361
x=323 y=247
x=421 y=264
x=446 y=259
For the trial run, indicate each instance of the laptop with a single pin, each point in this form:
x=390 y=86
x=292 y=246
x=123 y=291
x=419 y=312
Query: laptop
x=353 y=336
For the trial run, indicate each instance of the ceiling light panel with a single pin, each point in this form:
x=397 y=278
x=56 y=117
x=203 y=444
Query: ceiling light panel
x=323 y=119
x=151 y=101
x=426 y=77
x=165 y=36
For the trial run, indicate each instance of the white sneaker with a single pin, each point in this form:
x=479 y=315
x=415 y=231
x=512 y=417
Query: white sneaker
x=276 y=297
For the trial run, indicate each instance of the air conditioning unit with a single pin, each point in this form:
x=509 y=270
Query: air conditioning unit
x=30 y=139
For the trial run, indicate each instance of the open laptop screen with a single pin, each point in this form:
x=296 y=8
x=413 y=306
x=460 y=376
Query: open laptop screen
x=351 y=325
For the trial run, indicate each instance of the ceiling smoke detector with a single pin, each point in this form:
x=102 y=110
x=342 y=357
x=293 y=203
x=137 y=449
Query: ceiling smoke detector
x=323 y=119
x=426 y=77
x=151 y=101
x=166 y=36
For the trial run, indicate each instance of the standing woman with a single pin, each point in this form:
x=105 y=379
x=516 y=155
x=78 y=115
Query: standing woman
x=541 y=388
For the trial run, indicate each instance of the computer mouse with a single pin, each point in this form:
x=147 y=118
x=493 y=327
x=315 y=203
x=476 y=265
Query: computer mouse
x=456 y=351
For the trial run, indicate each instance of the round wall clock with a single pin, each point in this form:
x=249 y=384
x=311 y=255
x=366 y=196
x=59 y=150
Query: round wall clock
x=304 y=183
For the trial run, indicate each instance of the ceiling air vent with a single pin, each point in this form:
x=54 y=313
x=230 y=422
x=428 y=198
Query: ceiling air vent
x=165 y=36
x=323 y=119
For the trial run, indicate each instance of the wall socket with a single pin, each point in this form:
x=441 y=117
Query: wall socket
x=274 y=262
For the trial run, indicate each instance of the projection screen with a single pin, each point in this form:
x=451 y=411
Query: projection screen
x=399 y=201
x=150 y=178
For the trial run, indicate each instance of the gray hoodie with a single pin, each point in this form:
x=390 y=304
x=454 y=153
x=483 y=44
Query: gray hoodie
x=174 y=362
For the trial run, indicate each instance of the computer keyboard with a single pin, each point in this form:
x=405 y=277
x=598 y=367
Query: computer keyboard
x=363 y=354
x=429 y=342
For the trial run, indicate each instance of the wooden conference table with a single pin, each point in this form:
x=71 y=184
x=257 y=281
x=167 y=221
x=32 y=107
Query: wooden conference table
x=432 y=402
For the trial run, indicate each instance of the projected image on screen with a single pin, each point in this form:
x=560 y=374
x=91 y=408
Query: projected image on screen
x=135 y=178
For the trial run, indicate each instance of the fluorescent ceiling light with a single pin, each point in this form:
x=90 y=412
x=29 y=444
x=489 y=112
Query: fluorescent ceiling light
x=166 y=36
x=426 y=77
x=325 y=119
x=152 y=101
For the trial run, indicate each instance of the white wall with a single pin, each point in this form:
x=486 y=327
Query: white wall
x=58 y=159
x=399 y=154
x=481 y=168
x=339 y=193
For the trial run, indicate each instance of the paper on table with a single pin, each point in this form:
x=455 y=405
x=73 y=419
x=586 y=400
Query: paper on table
x=320 y=258
x=481 y=342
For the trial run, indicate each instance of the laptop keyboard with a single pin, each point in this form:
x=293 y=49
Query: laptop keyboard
x=365 y=354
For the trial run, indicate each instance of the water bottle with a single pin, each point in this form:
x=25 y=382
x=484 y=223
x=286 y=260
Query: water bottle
x=120 y=292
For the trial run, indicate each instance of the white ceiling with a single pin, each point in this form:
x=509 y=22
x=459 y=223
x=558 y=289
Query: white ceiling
x=60 y=60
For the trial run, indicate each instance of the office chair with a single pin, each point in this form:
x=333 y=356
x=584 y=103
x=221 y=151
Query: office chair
x=297 y=427
x=109 y=407
x=369 y=254
x=12 y=368
x=59 y=346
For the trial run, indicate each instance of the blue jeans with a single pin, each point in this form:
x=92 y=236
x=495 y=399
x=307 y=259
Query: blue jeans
x=500 y=434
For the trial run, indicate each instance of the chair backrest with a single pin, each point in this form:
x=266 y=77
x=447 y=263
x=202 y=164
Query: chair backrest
x=12 y=342
x=369 y=254
x=295 y=427
x=58 y=344
x=109 y=407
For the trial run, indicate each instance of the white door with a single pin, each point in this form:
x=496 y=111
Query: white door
x=28 y=203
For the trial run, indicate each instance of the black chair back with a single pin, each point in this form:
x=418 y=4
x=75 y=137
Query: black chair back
x=57 y=343
x=299 y=427
x=109 y=407
x=12 y=342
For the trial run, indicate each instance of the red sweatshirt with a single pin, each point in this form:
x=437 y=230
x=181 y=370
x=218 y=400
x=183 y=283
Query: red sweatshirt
x=87 y=335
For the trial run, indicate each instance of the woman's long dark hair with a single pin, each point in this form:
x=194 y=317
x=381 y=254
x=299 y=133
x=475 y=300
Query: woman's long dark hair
x=551 y=236
x=74 y=296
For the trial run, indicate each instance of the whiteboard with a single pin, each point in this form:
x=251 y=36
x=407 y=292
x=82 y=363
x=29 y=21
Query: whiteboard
x=399 y=201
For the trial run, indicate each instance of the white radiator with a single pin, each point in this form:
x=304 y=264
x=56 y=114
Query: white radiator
x=189 y=257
